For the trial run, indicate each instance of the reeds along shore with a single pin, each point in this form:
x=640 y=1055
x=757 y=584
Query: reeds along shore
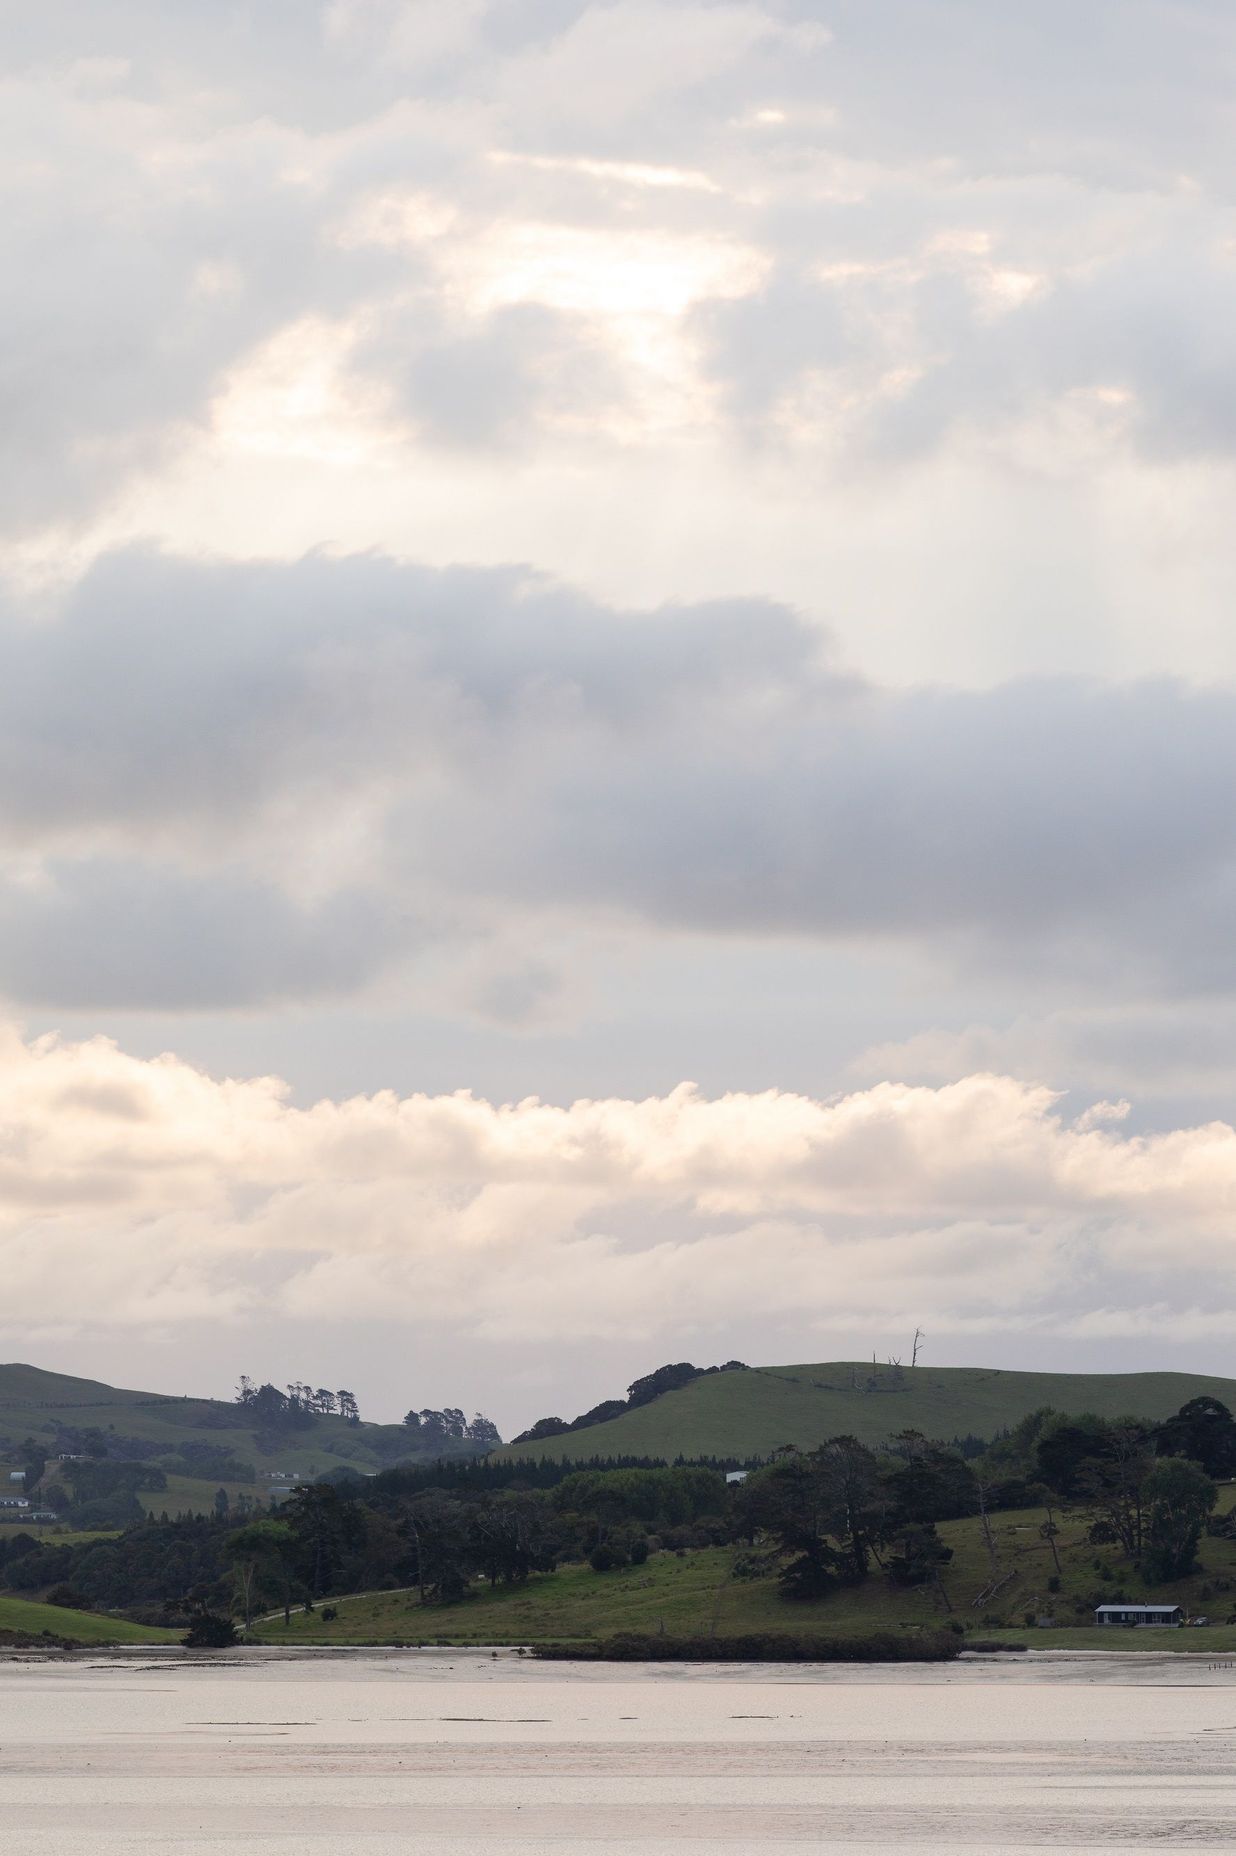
x=879 y=1647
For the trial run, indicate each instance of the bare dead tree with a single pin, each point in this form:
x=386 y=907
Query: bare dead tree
x=1048 y=1532
x=989 y=1538
x=919 y=1338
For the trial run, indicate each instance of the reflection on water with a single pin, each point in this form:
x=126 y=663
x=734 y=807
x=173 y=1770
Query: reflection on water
x=461 y=1752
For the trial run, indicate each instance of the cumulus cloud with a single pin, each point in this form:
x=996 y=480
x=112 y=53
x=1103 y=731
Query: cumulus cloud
x=140 y=1194
x=227 y=783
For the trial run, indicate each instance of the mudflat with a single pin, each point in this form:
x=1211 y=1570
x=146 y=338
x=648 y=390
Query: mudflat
x=466 y=1752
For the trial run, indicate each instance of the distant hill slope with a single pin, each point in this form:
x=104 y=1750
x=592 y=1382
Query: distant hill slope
x=33 y=1403
x=749 y=1414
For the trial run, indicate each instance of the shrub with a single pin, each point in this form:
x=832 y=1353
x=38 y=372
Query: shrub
x=69 y=1597
x=603 y=1558
x=209 y=1631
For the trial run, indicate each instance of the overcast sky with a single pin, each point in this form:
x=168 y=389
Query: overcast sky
x=618 y=729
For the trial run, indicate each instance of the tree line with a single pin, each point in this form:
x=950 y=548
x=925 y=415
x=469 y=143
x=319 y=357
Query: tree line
x=640 y=1392
x=819 y=1519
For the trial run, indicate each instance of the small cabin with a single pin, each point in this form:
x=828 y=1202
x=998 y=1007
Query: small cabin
x=736 y=1475
x=17 y=1475
x=1139 y=1616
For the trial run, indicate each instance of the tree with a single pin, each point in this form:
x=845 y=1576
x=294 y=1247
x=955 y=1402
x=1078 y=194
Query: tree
x=209 y=1631
x=1111 y=1483
x=348 y=1407
x=855 y=1496
x=438 y=1526
x=664 y=1379
x=222 y=1503
x=544 y=1427
x=918 y=1556
x=1065 y=1447
x=323 y=1523
x=1203 y=1430
x=934 y=1485
x=262 y=1562
x=1179 y=1496
x=789 y=1501
x=513 y=1534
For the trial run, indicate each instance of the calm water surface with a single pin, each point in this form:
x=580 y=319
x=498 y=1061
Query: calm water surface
x=428 y=1753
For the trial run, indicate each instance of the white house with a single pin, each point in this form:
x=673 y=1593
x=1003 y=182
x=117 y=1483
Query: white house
x=737 y=1475
x=17 y=1475
x=13 y=1501
x=1139 y=1615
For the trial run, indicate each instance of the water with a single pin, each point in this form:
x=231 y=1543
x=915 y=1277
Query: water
x=366 y=1754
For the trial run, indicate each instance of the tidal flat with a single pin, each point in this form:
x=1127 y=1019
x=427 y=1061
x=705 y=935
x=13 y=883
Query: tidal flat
x=475 y=1753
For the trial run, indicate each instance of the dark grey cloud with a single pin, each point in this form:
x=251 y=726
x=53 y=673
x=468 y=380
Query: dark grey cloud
x=192 y=749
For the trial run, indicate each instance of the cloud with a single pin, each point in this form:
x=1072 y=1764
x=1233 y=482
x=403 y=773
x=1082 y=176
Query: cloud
x=232 y=782
x=141 y=1194
x=957 y=236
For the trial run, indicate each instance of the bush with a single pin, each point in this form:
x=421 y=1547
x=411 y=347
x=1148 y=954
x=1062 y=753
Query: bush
x=639 y=1552
x=1053 y=1584
x=329 y=1613
x=209 y=1631
x=69 y=1597
x=603 y=1558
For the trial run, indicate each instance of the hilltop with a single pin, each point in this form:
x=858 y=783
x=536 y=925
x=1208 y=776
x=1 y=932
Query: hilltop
x=743 y=1415
x=200 y=1444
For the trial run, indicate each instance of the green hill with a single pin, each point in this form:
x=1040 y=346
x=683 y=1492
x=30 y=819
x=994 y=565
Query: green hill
x=750 y=1414
x=43 y=1405
x=18 y=1614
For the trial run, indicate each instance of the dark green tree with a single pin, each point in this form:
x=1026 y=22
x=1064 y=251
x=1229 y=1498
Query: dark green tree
x=1204 y=1431
x=1179 y=1496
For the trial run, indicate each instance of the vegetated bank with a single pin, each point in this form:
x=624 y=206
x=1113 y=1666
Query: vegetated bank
x=770 y=1647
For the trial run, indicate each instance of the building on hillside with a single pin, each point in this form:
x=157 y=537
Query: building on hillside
x=1140 y=1616
x=17 y=1475
x=737 y=1475
x=13 y=1501
x=42 y=1514
x=70 y=1456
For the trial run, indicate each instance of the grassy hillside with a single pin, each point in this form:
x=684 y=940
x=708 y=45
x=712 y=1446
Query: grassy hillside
x=750 y=1414
x=34 y=1402
x=695 y=1593
x=83 y=1626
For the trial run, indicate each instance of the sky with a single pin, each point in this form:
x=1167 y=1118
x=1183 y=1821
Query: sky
x=618 y=729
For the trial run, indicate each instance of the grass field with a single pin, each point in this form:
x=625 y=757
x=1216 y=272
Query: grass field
x=32 y=1402
x=84 y=1626
x=741 y=1415
x=696 y=1593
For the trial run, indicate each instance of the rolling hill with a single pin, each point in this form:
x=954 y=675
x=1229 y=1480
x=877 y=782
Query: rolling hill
x=741 y=1415
x=43 y=1406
